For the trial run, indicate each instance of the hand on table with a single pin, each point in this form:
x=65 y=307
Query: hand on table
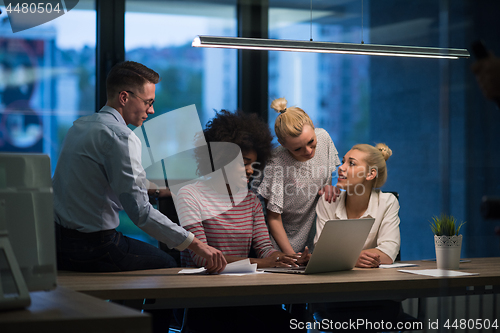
x=368 y=259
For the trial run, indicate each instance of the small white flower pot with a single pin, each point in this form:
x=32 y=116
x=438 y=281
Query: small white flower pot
x=448 y=251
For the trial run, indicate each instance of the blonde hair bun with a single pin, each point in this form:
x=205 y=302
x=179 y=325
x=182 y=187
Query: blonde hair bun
x=279 y=104
x=290 y=121
x=385 y=150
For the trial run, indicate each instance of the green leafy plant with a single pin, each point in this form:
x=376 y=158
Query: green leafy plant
x=445 y=225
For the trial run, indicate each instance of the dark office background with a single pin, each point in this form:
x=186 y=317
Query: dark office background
x=443 y=133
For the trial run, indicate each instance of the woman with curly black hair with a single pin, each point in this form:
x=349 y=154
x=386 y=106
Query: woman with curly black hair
x=220 y=211
x=244 y=129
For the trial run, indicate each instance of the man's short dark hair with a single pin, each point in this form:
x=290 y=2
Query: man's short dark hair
x=129 y=75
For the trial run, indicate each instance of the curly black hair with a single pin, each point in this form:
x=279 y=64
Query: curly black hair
x=246 y=130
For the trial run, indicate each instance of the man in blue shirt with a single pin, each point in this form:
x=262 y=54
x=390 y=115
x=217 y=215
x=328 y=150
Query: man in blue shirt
x=99 y=173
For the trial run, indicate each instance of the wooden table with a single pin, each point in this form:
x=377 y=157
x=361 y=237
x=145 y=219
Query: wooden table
x=179 y=291
x=64 y=310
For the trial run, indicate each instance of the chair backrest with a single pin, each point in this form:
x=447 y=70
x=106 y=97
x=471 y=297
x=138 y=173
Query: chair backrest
x=396 y=194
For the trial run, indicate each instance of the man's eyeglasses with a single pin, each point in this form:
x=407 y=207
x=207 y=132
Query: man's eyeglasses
x=150 y=103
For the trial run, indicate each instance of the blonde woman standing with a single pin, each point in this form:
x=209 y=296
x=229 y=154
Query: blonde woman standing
x=294 y=178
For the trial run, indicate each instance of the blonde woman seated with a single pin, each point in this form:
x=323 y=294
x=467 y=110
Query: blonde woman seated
x=362 y=173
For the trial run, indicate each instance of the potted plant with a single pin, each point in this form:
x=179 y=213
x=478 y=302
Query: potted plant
x=447 y=240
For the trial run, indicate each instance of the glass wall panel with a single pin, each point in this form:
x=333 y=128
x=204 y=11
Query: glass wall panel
x=47 y=80
x=332 y=89
x=159 y=34
x=416 y=106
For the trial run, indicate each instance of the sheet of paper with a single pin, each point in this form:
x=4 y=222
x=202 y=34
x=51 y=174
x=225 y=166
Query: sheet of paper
x=397 y=265
x=240 y=267
x=193 y=270
x=437 y=272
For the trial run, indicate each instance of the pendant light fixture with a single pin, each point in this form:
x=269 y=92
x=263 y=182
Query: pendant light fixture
x=242 y=43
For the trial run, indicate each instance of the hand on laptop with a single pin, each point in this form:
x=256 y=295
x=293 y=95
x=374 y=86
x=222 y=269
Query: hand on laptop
x=303 y=258
x=277 y=259
x=368 y=259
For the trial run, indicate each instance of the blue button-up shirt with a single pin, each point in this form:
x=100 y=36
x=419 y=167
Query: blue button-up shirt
x=99 y=173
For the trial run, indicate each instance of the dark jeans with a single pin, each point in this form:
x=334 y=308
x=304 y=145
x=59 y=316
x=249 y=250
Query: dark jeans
x=106 y=251
x=110 y=251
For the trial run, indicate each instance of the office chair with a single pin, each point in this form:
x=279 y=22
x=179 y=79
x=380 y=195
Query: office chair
x=396 y=194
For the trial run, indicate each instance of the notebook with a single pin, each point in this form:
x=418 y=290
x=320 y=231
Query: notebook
x=337 y=249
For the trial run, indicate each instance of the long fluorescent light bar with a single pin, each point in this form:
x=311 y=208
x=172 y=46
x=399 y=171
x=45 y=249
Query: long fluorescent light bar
x=326 y=47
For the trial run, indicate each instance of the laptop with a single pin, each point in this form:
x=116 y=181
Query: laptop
x=337 y=249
